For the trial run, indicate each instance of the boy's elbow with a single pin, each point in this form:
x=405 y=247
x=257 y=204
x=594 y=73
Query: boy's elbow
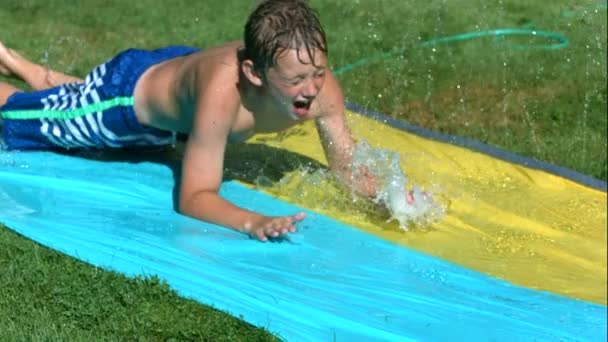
x=185 y=205
x=194 y=204
x=182 y=208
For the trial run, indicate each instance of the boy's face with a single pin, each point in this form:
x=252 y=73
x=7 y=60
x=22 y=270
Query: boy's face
x=296 y=80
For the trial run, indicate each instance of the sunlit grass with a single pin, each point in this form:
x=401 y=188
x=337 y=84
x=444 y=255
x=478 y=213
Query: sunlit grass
x=545 y=104
x=47 y=296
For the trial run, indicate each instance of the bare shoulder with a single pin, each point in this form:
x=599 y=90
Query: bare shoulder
x=217 y=68
x=217 y=99
x=219 y=57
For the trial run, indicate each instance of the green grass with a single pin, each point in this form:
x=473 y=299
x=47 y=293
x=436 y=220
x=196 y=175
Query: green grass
x=47 y=296
x=545 y=104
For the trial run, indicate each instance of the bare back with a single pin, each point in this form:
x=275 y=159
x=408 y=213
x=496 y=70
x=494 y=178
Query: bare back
x=166 y=94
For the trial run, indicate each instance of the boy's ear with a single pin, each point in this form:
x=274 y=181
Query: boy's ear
x=249 y=71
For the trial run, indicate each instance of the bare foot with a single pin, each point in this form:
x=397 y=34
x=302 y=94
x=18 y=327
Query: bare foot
x=37 y=76
x=7 y=60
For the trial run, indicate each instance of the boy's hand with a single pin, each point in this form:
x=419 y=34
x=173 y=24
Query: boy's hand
x=273 y=227
x=409 y=197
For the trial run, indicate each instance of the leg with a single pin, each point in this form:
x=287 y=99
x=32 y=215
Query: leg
x=6 y=90
x=35 y=75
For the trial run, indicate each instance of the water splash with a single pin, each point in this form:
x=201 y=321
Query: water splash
x=385 y=166
x=318 y=189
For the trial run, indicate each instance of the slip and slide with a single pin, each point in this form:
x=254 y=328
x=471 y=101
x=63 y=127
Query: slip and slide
x=519 y=254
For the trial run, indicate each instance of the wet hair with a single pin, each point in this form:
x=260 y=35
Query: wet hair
x=278 y=25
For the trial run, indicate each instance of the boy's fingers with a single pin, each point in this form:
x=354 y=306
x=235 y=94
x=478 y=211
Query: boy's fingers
x=298 y=217
x=409 y=197
x=277 y=226
x=261 y=236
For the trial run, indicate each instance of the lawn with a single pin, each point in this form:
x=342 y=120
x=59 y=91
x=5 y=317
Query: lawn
x=541 y=93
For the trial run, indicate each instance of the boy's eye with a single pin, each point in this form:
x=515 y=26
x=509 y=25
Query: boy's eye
x=295 y=81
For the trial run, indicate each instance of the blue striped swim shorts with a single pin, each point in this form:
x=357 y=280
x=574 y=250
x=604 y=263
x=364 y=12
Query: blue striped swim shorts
x=95 y=114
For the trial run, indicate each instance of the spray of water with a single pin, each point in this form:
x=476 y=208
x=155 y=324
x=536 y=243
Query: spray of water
x=385 y=165
x=318 y=189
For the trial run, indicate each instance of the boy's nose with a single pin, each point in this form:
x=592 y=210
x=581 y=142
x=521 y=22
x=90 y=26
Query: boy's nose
x=311 y=89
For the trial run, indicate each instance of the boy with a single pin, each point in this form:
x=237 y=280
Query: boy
x=276 y=80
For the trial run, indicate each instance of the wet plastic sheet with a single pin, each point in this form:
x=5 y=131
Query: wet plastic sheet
x=329 y=282
x=511 y=217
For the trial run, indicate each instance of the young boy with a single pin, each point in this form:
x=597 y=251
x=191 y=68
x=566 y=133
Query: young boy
x=276 y=78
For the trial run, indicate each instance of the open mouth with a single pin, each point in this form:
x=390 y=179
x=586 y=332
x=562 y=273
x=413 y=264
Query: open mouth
x=301 y=107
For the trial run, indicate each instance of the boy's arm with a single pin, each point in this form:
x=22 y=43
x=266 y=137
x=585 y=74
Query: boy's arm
x=338 y=142
x=202 y=170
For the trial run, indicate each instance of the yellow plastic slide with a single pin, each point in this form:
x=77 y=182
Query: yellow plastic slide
x=527 y=226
